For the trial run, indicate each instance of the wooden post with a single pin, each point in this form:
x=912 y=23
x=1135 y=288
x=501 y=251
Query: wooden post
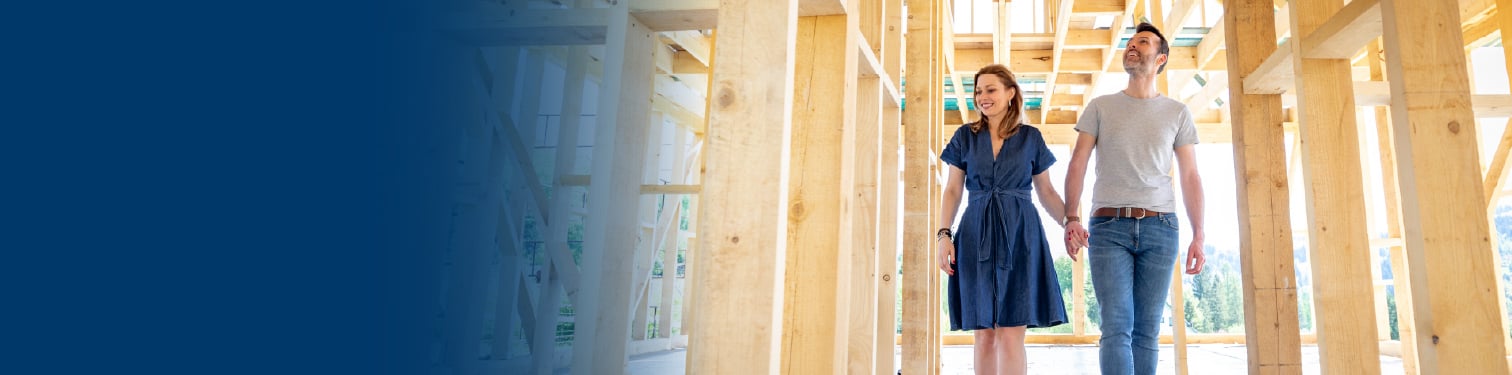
x=1338 y=241
x=918 y=236
x=817 y=297
x=743 y=240
x=619 y=148
x=936 y=117
x=1272 y=335
x=1178 y=309
x=1443 y=204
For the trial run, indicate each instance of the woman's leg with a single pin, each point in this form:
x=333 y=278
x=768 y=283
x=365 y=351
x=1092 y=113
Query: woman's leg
x=986 y=352
x=1010 y=350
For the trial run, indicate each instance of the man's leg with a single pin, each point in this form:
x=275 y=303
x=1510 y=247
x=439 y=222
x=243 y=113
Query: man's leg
x=1112 y=267
x=1155 y=256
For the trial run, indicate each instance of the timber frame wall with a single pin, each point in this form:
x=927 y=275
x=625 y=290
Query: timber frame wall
x=783 y=123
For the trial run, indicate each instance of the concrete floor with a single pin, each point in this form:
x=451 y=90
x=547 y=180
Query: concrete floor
x=1052 y=359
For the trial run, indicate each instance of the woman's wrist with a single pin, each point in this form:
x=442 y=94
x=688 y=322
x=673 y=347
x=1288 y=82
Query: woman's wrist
x=943 y=233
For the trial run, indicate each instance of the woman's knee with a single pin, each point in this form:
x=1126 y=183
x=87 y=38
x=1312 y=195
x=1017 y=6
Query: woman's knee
x=1010 y=334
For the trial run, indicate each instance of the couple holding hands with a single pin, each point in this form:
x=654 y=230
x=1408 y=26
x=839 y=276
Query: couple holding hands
x=1001 y=276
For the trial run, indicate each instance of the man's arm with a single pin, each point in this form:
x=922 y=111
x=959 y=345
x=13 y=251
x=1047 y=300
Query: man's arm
x=1191 y=193
x=1076 y=173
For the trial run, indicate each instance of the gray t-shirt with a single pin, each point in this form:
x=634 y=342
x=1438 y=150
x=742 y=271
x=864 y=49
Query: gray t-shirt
x=1136 y=144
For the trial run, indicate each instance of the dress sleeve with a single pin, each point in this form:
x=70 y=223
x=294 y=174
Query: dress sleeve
x=955 y=151
x=1043 y=158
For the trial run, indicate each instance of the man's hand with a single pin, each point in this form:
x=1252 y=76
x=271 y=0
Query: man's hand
x=1076 y=239
x=1195 y=259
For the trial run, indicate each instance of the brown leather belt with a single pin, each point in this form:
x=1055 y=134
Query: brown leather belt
x=1133 y=212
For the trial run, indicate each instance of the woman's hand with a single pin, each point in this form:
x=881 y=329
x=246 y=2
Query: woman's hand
x=1076 y=239
x=946 y=255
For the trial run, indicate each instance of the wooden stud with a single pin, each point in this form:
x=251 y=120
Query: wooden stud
x=1266 y=266
x=743 y=240
x=1393 y=218
x=918 y=123
x=673 y=232
x=1443 y=207
x=889 y=239
x=861 y=355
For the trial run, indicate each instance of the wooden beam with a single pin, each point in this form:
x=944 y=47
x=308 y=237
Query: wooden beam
x=1275 y=74
x=1078 y=79
x=1342 y=287
x=491 y=27
x=1062 y=24
x=1345 y=33
x=1180 y=11
x=1266 y=265
x=947 y=32
x=1217 y=84
x=743 y=240
x=1443 y=207
x=678 y=15
x=1479 y=31
x=1087 y=38
x=1099 y=7
x=1211 y=45
x=1496 y=172
x=1498 y=169
x=817 y=298
x=1080 y=61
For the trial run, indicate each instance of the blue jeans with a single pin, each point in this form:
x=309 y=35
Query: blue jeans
x=1131 y=262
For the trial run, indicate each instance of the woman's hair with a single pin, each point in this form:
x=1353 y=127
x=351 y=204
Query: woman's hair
x=1015 y=105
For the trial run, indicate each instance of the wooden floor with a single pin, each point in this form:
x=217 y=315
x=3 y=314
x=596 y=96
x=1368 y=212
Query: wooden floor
x=1055 y=359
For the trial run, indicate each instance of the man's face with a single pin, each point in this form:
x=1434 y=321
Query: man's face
x=1142 y=54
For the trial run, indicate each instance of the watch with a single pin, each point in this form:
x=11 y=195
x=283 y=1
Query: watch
x=1070 y=219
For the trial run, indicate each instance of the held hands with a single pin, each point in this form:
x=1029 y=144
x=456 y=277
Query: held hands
x=1076 y=239
x=946 y=255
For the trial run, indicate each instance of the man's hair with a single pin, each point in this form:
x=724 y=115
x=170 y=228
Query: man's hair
x=1165 y=46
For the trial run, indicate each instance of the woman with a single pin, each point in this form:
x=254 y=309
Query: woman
x=1002 y=278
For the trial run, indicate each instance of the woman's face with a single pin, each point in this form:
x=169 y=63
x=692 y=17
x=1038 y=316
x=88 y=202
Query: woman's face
x=993 y=96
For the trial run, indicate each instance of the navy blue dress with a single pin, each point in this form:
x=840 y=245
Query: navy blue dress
x=1005 y=276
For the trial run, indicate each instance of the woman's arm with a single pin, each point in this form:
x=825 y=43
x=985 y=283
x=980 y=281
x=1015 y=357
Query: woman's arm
x=1049 y=198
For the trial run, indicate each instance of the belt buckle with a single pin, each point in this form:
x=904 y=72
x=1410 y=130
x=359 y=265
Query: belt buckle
x=1142 y=213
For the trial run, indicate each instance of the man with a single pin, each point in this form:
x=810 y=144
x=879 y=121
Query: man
x=1137 y=133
